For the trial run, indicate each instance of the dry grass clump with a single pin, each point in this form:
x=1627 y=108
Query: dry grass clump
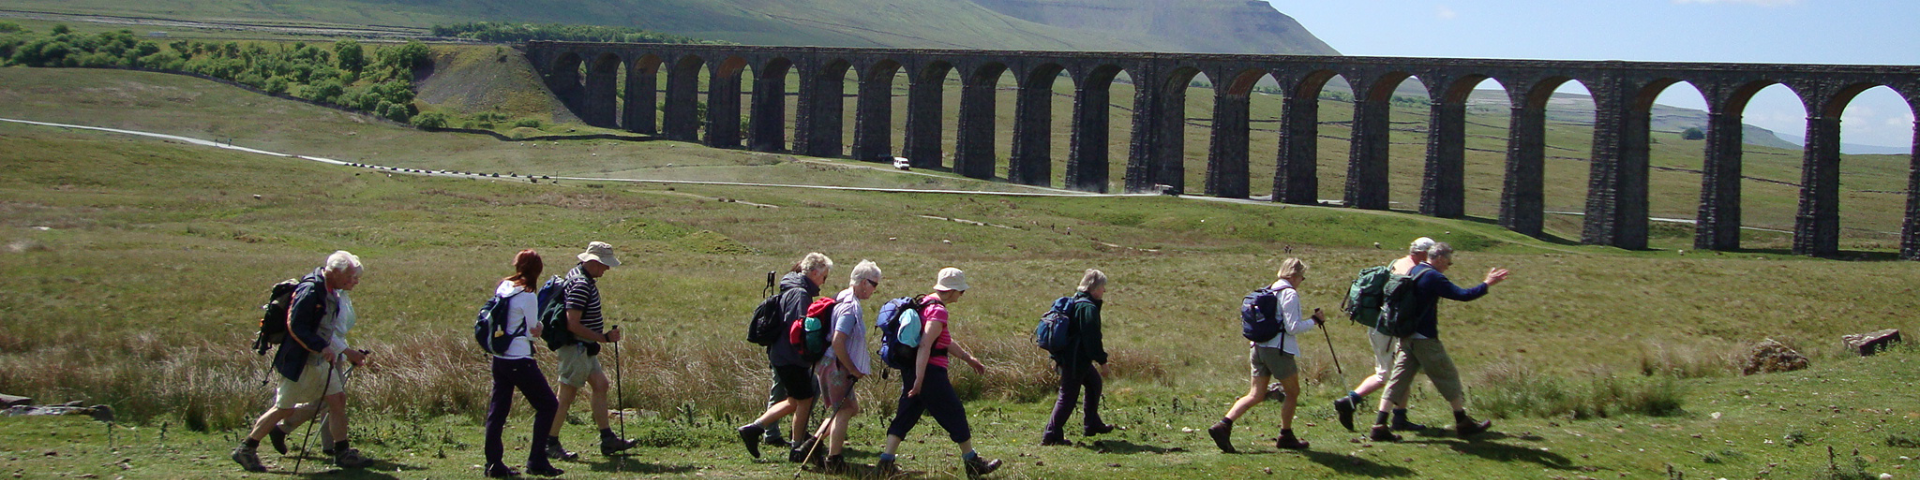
x=1507 y=390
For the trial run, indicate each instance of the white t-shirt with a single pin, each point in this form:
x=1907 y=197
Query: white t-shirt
x=522 y=311
x=846 y=321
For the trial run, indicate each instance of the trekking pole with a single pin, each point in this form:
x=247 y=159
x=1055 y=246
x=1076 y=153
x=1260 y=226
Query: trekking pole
x=1335 y=355
x=619 y=388
x=304 y=439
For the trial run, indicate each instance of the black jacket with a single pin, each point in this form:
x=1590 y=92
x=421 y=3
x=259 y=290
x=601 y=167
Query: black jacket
x=1085 y=331
x=303 y=337
x=796 y=293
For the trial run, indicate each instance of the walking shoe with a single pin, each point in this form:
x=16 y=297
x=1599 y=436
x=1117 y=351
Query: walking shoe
x=886 y=468
x=351 y=459
x=610 y=445
x=800 y=452
x=1344 y=405
x=1053 y=441
x=545 y=471
x=1382 y=433
x=979 y=466
x=750 y=436
x=278 y=437
x=1100 y=429
x=1289 y=442
x=834 y=465
x=249 y=459
x=1222 y=434
x=1403 y=425
x=496 y=470
x=556 y=452
x=1472 y=427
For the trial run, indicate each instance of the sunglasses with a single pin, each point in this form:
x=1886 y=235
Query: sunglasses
x=873 y=283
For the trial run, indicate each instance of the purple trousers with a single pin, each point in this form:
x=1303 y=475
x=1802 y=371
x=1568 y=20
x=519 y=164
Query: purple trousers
x=523 y=374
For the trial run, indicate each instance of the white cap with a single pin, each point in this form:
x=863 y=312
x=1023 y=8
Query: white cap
x=951 y=280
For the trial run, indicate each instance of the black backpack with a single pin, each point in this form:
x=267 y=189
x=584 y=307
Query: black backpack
x=1259 y=315
x=766 y=326
x=273 y=323
x=553 y=314
x=1401 y=310
x=490 y=329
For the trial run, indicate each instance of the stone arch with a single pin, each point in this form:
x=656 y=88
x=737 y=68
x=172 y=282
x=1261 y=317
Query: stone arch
x=873 y=112
x=722 y=121
x=1160 y=133
x=1523 y=203
x=1228 y=165
x=1851 y=182
x=1031 y=162
x=767 y=118
x=973 y=152
x=925 y=111
x=1674 y=187
x=819 y=119
x=1369 y=177
x=682 y=119
x=639 y=114
x=563 y=78
x=1297 y=179
x=1443 y=188
x=1089 y=153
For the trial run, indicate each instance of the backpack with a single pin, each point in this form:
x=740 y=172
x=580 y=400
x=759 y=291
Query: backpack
x=1398 y=314
x=553 y=314
x=1260 y=315
x=273 y=323
x=809 y=335
x=1367 y=295
x=888 y=323
x=490 y=328
x=765 y=326
x=1054 y=333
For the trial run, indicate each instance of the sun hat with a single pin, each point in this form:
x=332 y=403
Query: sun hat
x=951 y=280
x=599 y=252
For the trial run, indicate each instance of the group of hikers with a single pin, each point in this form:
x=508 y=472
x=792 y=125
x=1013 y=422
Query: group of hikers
x=818 y=348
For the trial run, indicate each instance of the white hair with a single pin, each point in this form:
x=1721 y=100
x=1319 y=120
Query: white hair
x=1420 y=246
x=866 y=270
x=344 y=262
x=1440 y=250
x=1093 y=279
x=815 y=262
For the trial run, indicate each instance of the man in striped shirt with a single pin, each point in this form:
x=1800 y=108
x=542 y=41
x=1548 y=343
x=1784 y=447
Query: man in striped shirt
x=580 y=360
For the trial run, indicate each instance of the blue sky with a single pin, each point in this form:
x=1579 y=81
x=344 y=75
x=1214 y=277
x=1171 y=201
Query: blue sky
x=1873 y=32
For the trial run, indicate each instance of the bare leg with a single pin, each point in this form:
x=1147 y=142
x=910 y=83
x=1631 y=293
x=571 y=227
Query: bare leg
x=565 y=396
x=599 y=383
x=1290 y=385
x=1255 y=395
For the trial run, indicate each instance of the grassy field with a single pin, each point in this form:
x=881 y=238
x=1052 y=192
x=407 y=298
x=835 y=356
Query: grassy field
x=134 y=265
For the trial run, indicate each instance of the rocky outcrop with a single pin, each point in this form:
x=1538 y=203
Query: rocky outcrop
x=1770 y=357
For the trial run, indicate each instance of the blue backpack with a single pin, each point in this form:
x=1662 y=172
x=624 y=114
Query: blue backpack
x=490 y=329
x=1259 y=315
x=1053 y=334
x=899 y=356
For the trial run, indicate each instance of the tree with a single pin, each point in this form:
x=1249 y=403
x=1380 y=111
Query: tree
x=351 y=56
x=1693 y=133
x=61 y=29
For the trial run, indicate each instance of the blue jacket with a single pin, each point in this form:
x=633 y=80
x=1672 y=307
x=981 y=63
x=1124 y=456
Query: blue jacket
x=303 y=325
x=1429 y=289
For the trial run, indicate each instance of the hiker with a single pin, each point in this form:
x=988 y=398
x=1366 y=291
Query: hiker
x=1075 y=366
x=792 y=378
x=844 y=365
x=309 y=364
x=515 y=368
x=580 y=360
x=925 y=388
x=1423 y=351
x=1273 y=359
x=1383 y=353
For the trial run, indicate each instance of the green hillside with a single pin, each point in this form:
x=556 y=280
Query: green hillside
x=1212 y=26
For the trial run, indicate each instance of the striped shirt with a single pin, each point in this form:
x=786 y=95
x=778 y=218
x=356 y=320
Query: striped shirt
x=584 y=295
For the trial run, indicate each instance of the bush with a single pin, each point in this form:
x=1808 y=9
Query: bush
x=430 y=121
x=527 y=122
x=325 y=92
x=275 y=86
x=1693 y=133
x=61 y=29
x=351 y=56
x=10 y=27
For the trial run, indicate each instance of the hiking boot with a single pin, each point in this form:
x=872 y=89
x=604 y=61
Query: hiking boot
x=886 y=468
x=496 y=470
x=610 y=445
x=1402 y=425
x=1383 y=433
x=1222 y=434
x=1053 y=441
x=803 y=451
x=1289 y=442
x=979 y=467
x=545 y=471
x=278 y=436
x=1344 y=406
x=249 y=459
x=1472 y=427
x=834 y=465
x=556 y=452
x=1098 y=429
x=750 y=436
x=351 y=459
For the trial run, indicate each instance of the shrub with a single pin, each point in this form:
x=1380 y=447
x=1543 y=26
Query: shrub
x=325 y=92
x=10 y=27
x=527 y=122
x=61 y=29
x=1693 y=133
x=275 y=86
x=351 y=56
x=430 y=121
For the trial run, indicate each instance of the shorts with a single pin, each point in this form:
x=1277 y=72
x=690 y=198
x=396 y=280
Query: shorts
x=1383 y=348
x=796 y=380
x=315 y=382
x=576 y=366
x=836 y=385
x=1272 y=363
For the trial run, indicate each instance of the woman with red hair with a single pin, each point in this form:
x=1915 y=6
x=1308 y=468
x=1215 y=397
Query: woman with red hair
x=514 y=368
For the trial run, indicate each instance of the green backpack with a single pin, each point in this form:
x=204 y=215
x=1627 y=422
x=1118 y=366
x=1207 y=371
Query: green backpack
x=1367 y=294
x=1401 y=309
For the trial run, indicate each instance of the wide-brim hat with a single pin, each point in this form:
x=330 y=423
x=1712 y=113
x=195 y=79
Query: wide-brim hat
x=599 y=252
x=951 y=280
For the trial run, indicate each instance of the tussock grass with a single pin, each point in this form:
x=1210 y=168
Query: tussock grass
x=1508 y=390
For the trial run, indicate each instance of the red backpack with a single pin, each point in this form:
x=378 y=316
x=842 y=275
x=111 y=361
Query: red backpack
x=810 y=335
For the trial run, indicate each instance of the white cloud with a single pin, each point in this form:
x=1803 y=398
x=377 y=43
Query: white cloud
x=1761 y=3
x=1444 y=13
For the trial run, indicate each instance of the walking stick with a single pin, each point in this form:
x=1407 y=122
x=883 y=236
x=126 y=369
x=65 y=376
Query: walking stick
x=304 y=439
x=1331 y=352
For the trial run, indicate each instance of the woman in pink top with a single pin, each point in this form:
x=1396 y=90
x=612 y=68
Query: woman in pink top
x=926 y=388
